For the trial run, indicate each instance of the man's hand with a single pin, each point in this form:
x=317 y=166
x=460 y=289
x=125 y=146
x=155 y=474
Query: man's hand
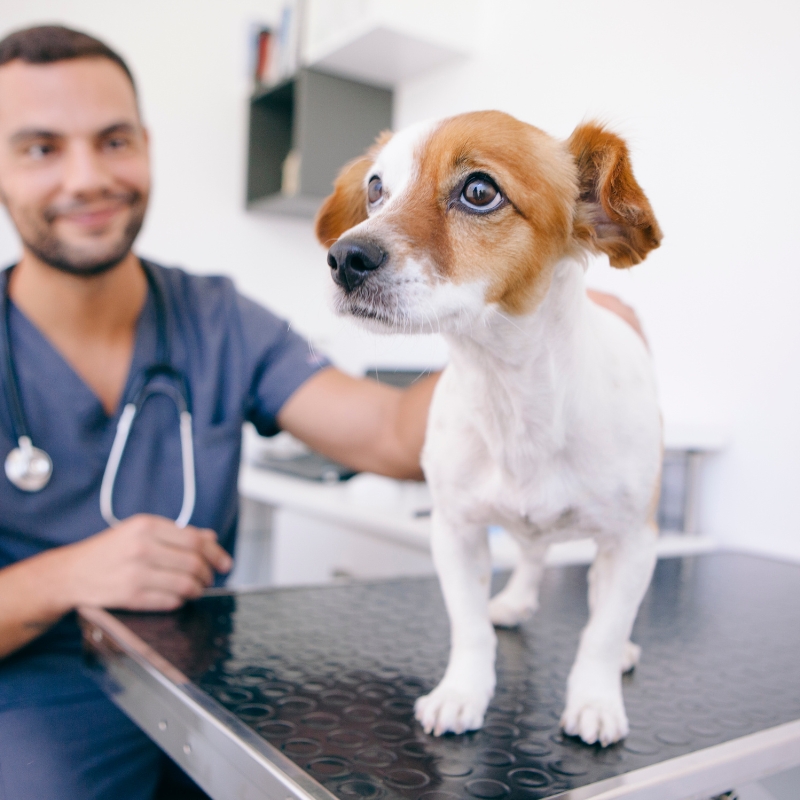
x=615 y=305
x=146 y=563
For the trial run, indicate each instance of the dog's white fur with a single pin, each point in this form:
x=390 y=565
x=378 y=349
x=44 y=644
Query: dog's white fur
x=545 y=422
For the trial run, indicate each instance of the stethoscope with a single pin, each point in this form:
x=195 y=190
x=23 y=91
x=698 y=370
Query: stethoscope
x=29 y=468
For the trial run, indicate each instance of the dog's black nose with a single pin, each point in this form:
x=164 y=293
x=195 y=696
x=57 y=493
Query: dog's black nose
x=351 y=262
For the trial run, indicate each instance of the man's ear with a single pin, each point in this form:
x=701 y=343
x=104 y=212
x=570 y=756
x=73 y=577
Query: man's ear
x=347 y=206
x=613 y=214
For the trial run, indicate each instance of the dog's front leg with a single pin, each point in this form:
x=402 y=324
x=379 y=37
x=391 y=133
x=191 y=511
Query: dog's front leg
x=463 y=563
x=520 y=596
x=618 y=580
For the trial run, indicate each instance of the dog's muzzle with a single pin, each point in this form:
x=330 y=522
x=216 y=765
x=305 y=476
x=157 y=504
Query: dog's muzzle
x=352 y=261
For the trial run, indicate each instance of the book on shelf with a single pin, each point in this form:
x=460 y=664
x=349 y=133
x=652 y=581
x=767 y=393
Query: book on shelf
x=277 y=50
x=263 y=47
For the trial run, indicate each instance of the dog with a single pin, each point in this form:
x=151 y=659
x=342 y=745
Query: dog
x=545 y=420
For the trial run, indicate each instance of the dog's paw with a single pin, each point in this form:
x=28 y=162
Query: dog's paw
x=595 y=717
x=508 y=612
x=448 y=709
x=630 y=656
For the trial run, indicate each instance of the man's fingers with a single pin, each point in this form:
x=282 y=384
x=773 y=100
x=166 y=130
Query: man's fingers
x=217 y=557
x=155 y=600
x=201 y=542
x=192 y=563
x=188 y=538
x=615 y=305
x=181 y=584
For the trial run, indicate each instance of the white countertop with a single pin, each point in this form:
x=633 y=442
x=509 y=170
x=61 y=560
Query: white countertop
x=389 y=509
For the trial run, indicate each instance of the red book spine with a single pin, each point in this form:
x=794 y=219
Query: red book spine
x=262 y=65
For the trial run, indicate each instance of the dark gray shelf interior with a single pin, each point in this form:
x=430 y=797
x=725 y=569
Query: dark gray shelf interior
x=327 y=119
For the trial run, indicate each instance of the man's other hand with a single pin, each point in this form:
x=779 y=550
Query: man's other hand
x=615 y=305
x=146 y=563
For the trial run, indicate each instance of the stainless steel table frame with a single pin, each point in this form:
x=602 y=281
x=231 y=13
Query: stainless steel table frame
x=308 y=693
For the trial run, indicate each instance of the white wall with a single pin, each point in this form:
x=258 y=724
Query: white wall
x=706 y=95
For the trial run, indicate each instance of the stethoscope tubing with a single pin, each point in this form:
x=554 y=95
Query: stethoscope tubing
x=18 y=422
x=163 y=369
x=115 y=457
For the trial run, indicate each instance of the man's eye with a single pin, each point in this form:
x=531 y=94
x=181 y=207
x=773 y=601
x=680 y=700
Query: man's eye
x=117 y=143
x=375 y=190
x=39 y=151
x=480 y=194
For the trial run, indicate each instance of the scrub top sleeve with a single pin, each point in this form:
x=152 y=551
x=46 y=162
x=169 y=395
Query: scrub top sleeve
x=282 y=361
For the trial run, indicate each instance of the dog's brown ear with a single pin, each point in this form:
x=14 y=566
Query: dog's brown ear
x=613 y=214
x=347 y=206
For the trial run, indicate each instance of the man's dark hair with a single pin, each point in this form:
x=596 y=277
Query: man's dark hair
x=46 y=44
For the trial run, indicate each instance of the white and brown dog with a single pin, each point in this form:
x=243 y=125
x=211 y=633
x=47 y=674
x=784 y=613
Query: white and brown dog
x=545 y=421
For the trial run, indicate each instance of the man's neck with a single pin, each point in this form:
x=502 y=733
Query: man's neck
x=104 y=306
x=91 y=320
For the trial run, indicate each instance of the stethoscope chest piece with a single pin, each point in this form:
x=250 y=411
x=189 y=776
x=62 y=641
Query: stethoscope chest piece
x=28 y=467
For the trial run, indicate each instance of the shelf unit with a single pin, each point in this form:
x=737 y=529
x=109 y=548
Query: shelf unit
x=303 y=130
x=325 y=120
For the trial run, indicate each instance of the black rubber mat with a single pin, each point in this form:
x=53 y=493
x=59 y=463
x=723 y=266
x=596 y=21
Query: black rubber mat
x=329 y=676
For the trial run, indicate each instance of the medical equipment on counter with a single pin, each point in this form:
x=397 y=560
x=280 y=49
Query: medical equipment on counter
x=29 y=468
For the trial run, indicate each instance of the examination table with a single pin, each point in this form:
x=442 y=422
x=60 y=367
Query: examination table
x=308 y=693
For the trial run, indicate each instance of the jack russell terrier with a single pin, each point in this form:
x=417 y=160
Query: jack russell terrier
x=545 y=420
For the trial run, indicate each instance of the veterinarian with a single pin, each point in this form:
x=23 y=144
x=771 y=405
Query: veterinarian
x=88 y=330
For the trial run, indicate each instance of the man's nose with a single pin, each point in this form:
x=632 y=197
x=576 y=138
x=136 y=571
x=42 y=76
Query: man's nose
x=84 y=170
x=352 y=261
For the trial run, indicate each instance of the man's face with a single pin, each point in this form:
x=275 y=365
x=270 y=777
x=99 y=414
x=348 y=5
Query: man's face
x=74 y=163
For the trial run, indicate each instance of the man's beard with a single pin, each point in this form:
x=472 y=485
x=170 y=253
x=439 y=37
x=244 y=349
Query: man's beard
x=54 y=252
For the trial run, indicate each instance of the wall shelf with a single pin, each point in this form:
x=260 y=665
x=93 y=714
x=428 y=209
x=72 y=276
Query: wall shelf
x=383 y=56
x=324 y=121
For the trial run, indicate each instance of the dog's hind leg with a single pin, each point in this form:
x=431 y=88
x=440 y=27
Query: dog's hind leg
x=519 y=598
x=631 y=652
x=463 y=563
x=618 y=580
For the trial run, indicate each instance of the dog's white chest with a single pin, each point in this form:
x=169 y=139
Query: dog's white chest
x=473 y=483
x=565 y=448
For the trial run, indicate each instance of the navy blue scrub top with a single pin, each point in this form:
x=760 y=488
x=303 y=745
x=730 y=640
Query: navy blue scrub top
x=242 y=364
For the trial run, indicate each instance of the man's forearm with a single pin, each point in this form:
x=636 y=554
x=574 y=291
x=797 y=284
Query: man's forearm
x=364 y=424
x=412 y=421
x=32 y=599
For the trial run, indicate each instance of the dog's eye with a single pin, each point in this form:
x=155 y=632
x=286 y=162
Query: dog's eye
x=480 y=194
x=375 y=190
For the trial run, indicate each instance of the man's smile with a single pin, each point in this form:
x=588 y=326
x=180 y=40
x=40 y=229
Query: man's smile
x=93 y=216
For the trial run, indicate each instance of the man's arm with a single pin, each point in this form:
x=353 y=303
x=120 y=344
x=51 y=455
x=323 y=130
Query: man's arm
x=146 y=563
x=360 y=422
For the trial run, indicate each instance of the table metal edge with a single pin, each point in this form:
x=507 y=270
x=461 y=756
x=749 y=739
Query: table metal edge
x=702 y=773
x=225 y=757
x=693 y=776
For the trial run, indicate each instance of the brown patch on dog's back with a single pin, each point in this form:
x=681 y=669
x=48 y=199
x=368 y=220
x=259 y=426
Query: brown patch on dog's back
x=347 y=206
x=613 y=215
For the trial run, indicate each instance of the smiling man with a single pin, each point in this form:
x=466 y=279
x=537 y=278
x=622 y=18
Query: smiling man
x=83 y=318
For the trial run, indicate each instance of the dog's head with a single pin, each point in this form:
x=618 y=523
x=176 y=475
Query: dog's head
x=441 y=220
